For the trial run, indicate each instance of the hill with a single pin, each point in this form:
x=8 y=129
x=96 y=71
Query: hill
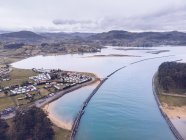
x=21 y=34
x=113 y=38
x=27 y=37
x=124 y=38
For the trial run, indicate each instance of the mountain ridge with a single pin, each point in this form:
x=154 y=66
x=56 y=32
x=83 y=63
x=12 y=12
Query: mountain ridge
x=113 y=37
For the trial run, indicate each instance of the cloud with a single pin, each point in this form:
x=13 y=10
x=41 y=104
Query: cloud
x=163 y=20
x=93 y=16
x=169 y=18
x=71 y=22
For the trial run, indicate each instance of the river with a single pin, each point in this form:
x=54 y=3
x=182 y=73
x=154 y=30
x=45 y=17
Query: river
x=124 y=107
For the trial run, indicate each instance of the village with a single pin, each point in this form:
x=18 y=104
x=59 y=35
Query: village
x=38 y=84
x=4 y=71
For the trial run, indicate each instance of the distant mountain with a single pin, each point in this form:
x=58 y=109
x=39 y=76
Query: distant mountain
x=114 y=38
x=22 y=34
x=112 y=35
x=67 y=36
x=26 y=37
x=124 y=38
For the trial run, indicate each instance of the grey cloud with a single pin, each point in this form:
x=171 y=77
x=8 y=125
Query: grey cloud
x=93 y=16
x=70 y=22
x=169 y=18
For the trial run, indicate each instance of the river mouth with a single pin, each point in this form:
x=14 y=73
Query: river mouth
x=123 y=105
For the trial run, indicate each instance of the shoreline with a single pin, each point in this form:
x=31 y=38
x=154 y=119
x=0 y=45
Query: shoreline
x=173 y=128
x=55 y=119
x=77 y=119
x=174 y=112
x=86 y=102
x=48 y=108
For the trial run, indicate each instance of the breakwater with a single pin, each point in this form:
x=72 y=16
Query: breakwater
x=82 y=110
x=150 y=59
x=170 y=124
x=115 y=71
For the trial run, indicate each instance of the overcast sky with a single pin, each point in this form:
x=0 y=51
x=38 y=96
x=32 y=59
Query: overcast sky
x=92 y=15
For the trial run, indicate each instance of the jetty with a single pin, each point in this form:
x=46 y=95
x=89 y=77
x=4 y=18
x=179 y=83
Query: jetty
x=85 y=103
x=151 y=59
x=82 y=110
x=77 y=119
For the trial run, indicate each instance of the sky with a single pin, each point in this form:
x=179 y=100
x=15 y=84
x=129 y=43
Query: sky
x=92 y=15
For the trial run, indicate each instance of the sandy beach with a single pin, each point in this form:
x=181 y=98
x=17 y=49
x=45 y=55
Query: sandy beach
x=177 y=116
x=175 y=112
x=54 y=119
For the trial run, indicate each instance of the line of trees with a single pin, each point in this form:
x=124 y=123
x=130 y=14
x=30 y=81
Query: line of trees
x=3 y=130
x=14 y=46
x=172 y=76
x=28 y=124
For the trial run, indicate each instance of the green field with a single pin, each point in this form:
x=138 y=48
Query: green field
x=172 y=101
x=61 y=134
x=169 y=100
x=18 y=76
x=6 y=102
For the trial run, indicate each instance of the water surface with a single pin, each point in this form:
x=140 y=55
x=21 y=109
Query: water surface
x=124 y=107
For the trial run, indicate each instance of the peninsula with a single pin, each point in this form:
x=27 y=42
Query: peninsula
x=170 y=88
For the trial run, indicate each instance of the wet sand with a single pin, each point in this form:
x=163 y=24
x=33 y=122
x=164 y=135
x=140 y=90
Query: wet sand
x=55 y=119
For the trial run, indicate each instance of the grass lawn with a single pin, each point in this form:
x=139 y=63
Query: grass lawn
x=18 y=76
x=172 y=101
x=169 y=100
x=6 y=102
x=61 y=134
x=2 y=94
x=21 y=102
x=8 y=60
x=42 y=90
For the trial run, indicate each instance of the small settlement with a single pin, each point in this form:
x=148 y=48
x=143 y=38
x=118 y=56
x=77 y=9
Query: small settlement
x=4 y=71
x=44 y=84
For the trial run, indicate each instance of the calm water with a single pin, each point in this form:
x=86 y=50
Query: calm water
x=68 y=106
x=124 y=107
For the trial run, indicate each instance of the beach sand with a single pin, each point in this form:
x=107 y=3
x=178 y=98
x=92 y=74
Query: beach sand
x=177 y=116
x=175 y=112
x=55 y=120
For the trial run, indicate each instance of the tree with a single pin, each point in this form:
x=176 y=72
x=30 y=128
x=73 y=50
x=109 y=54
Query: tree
x=32 y=124
x=3 y=129
x=172 y=76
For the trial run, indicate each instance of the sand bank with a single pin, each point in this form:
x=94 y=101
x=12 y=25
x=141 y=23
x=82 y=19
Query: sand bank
x=112 y=55
x=55 y=119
